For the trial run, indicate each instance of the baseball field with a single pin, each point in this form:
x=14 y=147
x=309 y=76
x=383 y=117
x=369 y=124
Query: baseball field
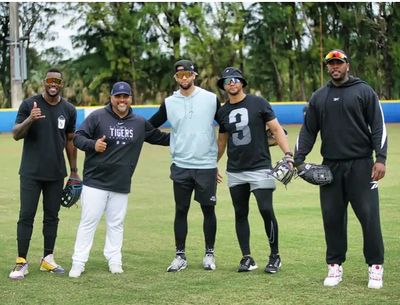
x=149 y=245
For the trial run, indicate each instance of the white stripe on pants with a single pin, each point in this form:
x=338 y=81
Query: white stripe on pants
x=94 y=203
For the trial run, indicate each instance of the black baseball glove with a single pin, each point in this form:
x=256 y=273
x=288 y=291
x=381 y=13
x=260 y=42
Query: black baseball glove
x=284 y=170
x=314 y=173
x=71 y=193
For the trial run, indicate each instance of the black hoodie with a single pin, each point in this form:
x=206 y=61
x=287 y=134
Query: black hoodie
x=351 y=122
x=112 y=169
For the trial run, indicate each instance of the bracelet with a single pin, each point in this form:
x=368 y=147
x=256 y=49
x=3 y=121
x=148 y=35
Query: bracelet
x=289 y=154
x=74 y=169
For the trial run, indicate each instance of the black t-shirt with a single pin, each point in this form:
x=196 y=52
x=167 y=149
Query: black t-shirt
x=247 y=143
x=44 y=143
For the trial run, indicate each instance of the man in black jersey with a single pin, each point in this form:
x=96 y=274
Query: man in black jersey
x=348 y=114
x=46 y=122
x=243 y=121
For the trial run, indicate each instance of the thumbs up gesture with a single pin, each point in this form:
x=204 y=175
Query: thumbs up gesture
x=101 y=144
x=36 y=113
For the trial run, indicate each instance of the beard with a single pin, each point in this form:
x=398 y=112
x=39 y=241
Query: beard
x=186 y=86
x=233 y=91
x=122 y=107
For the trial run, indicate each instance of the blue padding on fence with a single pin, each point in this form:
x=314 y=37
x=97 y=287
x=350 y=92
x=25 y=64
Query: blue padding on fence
x=287 y=113
x=391 y=111
x=7 y=119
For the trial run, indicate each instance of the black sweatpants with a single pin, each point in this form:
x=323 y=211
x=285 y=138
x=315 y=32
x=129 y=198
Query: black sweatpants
x=351 y=183
x=30 y=190
x=240 y=195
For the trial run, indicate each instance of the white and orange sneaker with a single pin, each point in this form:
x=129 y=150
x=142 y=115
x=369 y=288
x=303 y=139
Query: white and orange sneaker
x=335 y=273
x=375 y=276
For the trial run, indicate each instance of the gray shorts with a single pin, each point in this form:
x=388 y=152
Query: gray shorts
x=258 y=179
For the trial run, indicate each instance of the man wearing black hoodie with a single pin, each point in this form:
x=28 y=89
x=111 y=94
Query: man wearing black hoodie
x=348 y=114
x=112 y=138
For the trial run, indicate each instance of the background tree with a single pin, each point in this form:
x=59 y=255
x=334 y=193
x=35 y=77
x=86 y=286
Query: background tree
x=279 y=46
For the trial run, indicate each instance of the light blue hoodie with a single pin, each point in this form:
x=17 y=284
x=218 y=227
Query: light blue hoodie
x=193 y=142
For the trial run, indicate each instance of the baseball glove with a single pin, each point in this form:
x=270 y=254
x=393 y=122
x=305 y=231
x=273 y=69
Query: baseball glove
x=284 y=170
x=315 y=174
x=71 y=193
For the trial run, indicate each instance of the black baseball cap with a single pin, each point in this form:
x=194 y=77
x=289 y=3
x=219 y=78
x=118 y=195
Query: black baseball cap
x=336 y=54
x=231 y=72
x=184 y=65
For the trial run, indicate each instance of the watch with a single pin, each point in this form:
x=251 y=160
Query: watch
x=74 y=169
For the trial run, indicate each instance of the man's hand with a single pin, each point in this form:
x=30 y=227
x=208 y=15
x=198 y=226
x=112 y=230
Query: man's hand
x=36 y=113
x=219 y=177
x=378 y=171
x=101 y=144
x=74 y=175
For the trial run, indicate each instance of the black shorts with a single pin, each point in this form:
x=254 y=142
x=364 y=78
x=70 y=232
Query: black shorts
x=202 y=181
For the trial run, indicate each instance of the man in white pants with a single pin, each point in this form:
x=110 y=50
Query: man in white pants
x=112 y=138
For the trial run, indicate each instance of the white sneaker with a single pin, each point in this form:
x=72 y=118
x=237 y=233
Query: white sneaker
x=47 y=264
x=209 y=262
x=179 y=263
x=20 y=269
x=375 y=276
x=116 y=269
x=76 y=270
x=335 y=273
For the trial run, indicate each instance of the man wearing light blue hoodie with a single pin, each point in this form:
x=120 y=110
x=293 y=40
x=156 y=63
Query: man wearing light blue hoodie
x=191 y=111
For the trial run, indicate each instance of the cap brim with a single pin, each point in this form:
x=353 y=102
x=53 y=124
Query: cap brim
x=337 y=59
x=116 y=93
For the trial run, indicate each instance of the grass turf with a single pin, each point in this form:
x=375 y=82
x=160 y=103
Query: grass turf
x=149 y=245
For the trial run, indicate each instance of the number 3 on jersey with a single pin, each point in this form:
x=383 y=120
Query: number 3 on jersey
x=240 y=118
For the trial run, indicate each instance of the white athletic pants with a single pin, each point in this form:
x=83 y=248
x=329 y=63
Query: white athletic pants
x=95 y=202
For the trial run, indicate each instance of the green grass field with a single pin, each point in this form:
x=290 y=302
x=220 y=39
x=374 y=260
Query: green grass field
x=149 y=245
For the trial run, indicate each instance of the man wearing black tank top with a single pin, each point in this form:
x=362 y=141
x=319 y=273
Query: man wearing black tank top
x=243 y=122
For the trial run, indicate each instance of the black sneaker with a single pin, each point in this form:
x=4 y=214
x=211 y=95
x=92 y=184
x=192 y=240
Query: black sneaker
x=247 y=263
x=274 y=264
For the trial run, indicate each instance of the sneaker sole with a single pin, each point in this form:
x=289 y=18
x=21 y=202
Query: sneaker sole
x=52 y=271
x=273 y=271
x=379 y=286
x=177 y=270
x=333 y=285
x=251 y=268
x=18 y=278
x=209 y=267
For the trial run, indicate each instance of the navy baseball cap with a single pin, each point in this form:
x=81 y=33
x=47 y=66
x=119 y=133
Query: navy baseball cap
x=121 y=88
x=184 y=65
x=231 y=72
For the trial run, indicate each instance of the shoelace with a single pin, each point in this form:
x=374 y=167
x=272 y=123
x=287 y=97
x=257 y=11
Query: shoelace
x=18 y=267
x=333 y=272
x=375 y=275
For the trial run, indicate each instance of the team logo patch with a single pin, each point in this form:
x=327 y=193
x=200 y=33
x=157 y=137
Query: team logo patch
x=61 y=122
